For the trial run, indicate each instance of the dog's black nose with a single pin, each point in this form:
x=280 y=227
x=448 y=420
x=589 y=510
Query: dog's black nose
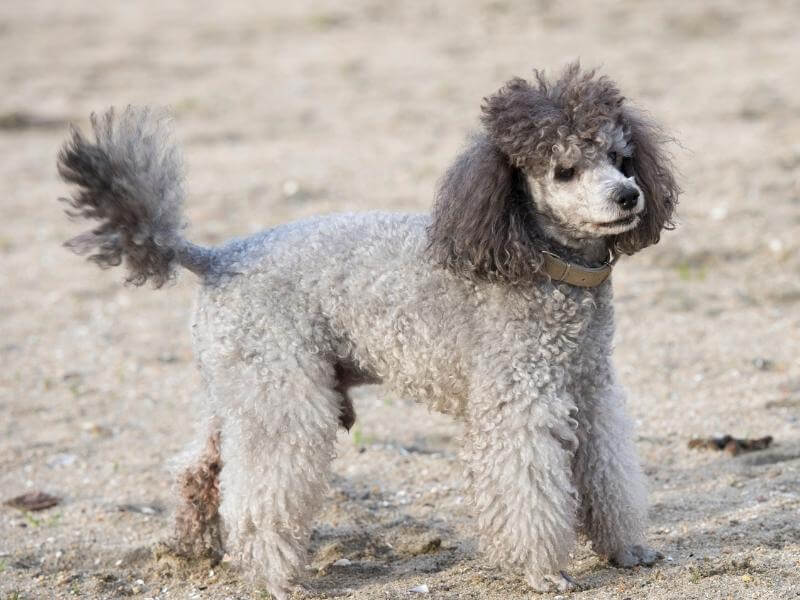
x=627 y=198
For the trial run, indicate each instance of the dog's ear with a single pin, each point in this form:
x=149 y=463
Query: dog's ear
x=654 y=173
x=482 y=218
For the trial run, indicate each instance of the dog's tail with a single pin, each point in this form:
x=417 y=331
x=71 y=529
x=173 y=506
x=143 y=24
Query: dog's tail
x=130 y=178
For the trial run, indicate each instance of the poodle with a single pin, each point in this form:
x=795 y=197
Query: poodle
x=496 y=308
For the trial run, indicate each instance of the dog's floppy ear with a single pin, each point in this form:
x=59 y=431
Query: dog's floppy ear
x=654 y=174
x=482 y=218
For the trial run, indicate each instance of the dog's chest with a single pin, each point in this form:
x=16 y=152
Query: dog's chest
x=581 y=324
x=568 y=330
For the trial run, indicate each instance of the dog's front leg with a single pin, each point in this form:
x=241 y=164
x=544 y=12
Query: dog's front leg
x=518 y=453
x=611 y=482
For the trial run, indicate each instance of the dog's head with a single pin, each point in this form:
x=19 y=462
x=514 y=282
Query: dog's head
x=568 y=160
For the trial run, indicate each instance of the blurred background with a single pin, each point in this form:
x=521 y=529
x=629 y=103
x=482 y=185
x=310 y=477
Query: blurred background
x=285 y=110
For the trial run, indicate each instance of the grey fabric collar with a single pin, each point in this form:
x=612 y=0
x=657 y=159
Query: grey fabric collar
x=561 y=270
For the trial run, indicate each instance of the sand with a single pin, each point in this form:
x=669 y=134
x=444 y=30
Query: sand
x=288 y=111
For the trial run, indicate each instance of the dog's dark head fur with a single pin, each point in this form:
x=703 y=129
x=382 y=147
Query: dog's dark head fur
x=552 y=167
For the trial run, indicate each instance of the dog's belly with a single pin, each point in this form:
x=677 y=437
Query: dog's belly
x=411 y=371
x=415 y=349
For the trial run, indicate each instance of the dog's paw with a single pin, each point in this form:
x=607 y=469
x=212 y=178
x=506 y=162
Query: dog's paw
x=632 y=556
x=555 y=582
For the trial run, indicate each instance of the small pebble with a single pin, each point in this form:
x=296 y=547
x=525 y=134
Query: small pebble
x=718 y=213
x=763 y=364
x=61 y=460
x=96 y=429
x=420 y=589
x=143 y=509
x=342 y=562
x=290 y=188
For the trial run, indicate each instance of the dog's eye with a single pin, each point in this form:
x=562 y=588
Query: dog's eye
x=627 y=166
x=564 y=174
x=612 y=157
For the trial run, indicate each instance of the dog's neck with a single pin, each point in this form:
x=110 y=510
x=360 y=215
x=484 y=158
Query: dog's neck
x=586 y=252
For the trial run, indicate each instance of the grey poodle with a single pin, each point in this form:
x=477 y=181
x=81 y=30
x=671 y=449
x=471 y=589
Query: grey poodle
x=496 y=309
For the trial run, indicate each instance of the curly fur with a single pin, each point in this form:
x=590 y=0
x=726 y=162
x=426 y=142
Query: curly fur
x=197 y=525
x=451 y=310
x=481 y=221
x=130 y=179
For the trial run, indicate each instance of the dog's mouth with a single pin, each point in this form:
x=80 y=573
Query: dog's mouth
x=624 y=223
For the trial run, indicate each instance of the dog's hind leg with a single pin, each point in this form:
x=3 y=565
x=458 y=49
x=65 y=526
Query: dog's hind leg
x=279 y=428
x=197 y=522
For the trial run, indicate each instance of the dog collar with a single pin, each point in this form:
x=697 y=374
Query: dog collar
x=561 y=270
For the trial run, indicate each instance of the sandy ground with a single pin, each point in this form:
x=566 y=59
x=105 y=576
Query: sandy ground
x=360 y=105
